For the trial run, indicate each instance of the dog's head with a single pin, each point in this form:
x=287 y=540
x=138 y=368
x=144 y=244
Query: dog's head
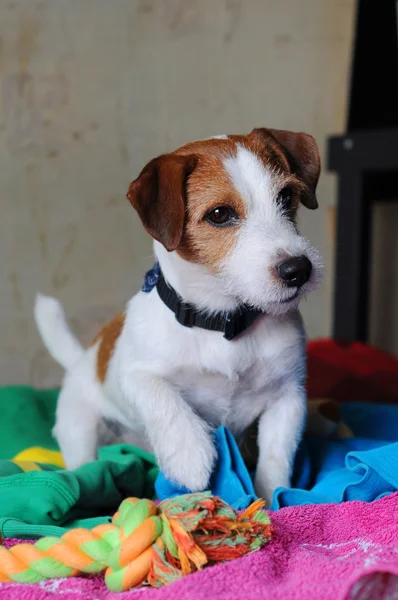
x=230 y=203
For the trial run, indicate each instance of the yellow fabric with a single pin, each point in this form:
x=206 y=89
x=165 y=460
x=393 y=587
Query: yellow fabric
x=26 y=465
x=37 y=454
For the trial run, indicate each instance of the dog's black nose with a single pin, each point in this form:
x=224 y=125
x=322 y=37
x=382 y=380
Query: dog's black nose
x=296 y=271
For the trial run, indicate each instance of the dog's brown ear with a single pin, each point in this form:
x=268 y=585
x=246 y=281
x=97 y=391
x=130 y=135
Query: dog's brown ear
x=302 y=153
x=159 y=197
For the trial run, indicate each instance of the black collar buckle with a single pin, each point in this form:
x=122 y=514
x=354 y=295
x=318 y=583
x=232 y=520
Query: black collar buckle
x=236 y=324
x=233 y=327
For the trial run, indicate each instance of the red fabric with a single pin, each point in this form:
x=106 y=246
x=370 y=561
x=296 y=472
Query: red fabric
x=351 y=373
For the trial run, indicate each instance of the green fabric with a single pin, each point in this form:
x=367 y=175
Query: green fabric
x=27 y=417
x=8 y=468
x=33 y=503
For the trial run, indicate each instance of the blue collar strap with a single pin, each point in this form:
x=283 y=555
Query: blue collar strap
x=231 y=324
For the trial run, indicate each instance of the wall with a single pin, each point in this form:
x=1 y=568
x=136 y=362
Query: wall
x=90 y=90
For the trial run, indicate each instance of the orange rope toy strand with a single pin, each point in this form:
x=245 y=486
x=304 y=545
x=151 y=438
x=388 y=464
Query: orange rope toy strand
x=144 y=544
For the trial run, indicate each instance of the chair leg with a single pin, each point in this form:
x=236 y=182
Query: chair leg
x=352 y=266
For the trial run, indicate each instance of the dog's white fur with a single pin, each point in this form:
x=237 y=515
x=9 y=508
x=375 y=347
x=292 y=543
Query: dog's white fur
x=170 y=386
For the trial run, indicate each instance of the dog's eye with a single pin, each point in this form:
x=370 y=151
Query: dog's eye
x=222 y=215
x=284 y=197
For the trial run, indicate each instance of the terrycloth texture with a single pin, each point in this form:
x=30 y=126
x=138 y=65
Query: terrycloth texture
x=230 y=480
x=145 y=544
x=363 y=468
x=334 y=552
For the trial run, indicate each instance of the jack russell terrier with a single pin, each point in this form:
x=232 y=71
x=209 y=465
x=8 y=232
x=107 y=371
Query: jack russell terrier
x=217 y=338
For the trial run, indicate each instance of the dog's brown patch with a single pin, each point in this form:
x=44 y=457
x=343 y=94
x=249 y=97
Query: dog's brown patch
x=209 y=187
x=174 y=192
x=159 y=196
x=107 y=337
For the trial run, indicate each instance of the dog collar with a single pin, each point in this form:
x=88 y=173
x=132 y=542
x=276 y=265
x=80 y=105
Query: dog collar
x=231 y=324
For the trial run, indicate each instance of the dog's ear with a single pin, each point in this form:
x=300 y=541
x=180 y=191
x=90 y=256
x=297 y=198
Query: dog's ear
x=302 y=154
x=159 y=197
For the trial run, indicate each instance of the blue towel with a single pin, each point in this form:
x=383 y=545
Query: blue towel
x=363 y=468
x=326 y=470
x=230 y=481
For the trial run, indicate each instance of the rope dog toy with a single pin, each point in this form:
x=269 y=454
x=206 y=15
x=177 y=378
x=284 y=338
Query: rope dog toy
x=144 y=543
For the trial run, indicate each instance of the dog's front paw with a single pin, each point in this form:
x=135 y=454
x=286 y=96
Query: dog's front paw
x=192 y=463
x=266 y=486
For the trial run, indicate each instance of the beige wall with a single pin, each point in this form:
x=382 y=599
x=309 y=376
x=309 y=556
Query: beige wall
x=91 y=89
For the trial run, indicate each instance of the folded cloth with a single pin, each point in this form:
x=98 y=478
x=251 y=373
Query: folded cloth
x=326 y=470
x=363 y=468
x=39 y=497
x=58 y=498
x=230 y=480
x=36 y=492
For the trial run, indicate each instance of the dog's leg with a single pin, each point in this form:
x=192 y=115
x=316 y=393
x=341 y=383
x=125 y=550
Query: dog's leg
x=279 y=433
x=180 y=439
x=76 y=427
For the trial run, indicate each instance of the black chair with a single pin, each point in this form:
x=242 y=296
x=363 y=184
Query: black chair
x=366 y=161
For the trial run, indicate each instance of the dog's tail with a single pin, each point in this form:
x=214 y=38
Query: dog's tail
x=55 y=332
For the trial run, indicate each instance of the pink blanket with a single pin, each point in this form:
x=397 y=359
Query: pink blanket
x=337 y=552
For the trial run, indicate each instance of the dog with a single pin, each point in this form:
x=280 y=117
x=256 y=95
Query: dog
x=217 y=339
